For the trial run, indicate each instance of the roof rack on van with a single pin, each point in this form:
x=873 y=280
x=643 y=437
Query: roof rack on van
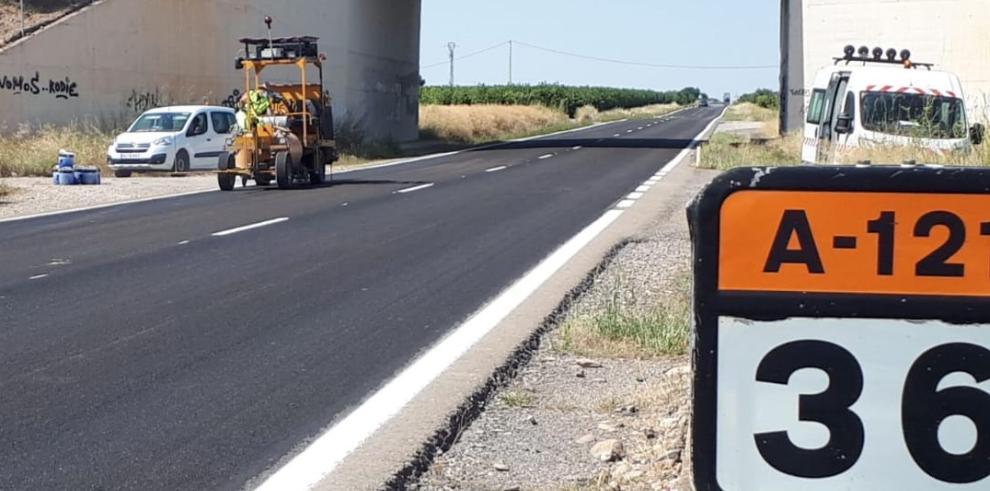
x=878 y=57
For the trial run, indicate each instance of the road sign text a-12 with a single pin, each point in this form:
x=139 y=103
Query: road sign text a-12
x=843 y=329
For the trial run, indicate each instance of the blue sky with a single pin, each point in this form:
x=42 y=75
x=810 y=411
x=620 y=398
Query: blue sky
x=684 y=32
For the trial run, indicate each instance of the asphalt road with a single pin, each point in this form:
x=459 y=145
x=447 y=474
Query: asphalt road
x=140 y=351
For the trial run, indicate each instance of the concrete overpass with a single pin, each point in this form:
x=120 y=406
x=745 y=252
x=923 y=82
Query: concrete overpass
x=116 y=58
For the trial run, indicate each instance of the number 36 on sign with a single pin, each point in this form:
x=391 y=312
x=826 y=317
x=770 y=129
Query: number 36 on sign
x=843 y=336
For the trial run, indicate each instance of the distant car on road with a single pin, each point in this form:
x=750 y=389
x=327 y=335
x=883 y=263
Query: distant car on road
x=703 y=102
x=175 y=138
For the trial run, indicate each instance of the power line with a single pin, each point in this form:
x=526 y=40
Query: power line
x=480 y=51
x=652 y=65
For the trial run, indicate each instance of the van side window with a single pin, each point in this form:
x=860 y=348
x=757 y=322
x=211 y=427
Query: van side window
x=221 y=124
x=815 y=107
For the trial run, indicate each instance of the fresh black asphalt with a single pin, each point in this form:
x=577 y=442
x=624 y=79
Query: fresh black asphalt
x=155 y=355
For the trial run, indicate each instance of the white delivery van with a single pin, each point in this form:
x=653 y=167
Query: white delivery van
x=884 y=101
x=176 y=138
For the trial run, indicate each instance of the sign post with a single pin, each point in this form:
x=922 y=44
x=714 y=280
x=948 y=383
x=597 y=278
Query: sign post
x=843 y=329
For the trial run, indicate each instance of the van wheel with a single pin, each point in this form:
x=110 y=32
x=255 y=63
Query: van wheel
x=122 y=173
x=181 y=163
x=283 y=170
x=226 y=181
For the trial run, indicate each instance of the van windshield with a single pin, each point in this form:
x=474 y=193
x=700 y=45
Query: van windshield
x=914 y=115
x=159 y=122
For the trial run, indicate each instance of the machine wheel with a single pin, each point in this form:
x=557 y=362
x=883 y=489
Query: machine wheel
x=181 y=163
x=121 y=173
x=226 y=181
x=226 y=161
x=283 y=170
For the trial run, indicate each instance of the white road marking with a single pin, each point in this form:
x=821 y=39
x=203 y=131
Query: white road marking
x=252 y=226
x=321 y=456
x=628 y=131
x=576 y=147
x=38 y=276
x=639 y=128
x=415 y=188
x=626 y=203
x=545 y=156
x=616 y=135
x=634 y=196
x=184 y=242
x=496 y=169
x=642 y=189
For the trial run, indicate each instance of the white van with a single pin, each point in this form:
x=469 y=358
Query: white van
x=863 y=101
x=176 y=138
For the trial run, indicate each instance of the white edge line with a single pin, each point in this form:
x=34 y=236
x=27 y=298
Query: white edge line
x=644 y=188
x=415 y=188
x=635 y=196
x=329 y=449
x=321 y=456
x=38 y=276
x=496 y=169
x=626 y=203
x=252 y=226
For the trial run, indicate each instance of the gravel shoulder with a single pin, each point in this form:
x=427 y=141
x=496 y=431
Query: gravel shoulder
x=33 y=195
x=600 y=418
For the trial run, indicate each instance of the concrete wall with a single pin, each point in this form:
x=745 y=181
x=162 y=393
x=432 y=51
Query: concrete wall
x=119 y=57
x=952 y=34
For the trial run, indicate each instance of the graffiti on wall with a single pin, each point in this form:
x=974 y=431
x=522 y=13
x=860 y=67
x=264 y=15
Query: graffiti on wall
x=231 y=100
x=33 y=85
x=143 y=101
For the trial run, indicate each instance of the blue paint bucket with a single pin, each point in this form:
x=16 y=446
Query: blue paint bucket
x=67 y=177
x=88 y=176
x=66 y=160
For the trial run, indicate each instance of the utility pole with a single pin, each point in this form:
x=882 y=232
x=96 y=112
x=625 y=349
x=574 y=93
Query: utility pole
x=450 y=47
x=510 y=62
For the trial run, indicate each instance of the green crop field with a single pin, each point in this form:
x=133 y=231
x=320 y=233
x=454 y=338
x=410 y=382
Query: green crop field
x=565 y=98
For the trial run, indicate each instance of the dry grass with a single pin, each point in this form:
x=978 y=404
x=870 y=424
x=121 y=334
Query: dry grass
x=5 y=189
x=29 y=152
x=588 y=114
x=748 y=111
x=621 y=329
x=488 y=122
x=725 y=151
x=516 y=398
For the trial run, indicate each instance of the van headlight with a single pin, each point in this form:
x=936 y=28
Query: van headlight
x=163 y=141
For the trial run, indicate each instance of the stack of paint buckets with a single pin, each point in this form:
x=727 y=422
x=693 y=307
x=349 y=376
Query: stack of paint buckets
x=67 y=174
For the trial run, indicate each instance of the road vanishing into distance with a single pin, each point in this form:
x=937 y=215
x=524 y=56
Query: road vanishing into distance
x=170 y=345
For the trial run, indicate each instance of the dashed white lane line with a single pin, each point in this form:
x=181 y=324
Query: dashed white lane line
x=642 y=189
x=184 y=242
x=616 y=135
x=626 y=203
x=38 y=276
x=634 y=196
x=545 y=156
x=496 y=169
x=628 y=131
x=252 y=226
x=576 y=147
x=415 y=188
x=639 y=128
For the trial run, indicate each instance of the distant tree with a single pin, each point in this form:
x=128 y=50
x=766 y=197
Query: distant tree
x=762 y=97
